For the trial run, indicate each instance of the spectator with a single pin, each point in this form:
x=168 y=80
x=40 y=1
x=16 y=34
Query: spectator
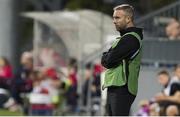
x=22 y=82
x=96 y=81
x=173 y=29
x=6 y=73
x=6 y=76
x=5 y=68
x=154 y=109
x=175 y=82
x=174 y=92
x=170 y=85
x=144 y=108
x=163 y=79
x=166 y=102
x=43 y=93
x=85 y=87
x=71 y=93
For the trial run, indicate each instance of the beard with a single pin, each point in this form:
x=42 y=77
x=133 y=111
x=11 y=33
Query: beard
x=120 y=28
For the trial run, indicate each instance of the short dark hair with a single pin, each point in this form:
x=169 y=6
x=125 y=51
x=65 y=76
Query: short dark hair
x=127 y=8
x=163 y=72
x=177 y=66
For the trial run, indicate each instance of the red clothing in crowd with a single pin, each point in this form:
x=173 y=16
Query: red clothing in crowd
x=6 y=72
x=73 y=78
x=51 y=72
x=97 y=69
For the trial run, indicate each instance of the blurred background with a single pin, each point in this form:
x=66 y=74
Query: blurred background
x=50 y=54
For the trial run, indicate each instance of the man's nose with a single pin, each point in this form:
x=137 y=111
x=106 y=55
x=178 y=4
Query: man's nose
x=114 y=21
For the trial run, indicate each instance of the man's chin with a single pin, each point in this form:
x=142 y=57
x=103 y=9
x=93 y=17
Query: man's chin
x=117 y=29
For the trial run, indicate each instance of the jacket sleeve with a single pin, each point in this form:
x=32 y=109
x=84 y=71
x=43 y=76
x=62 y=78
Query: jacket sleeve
x=125 y=48
x=174 y=88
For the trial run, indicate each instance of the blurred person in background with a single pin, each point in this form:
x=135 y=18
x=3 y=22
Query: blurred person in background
x=144 y=108
x=91 y=86
x=173 y=98
x=97 y=70
x=96 y=87
x=175 y=82
x=6 y=73
x=171 y=85
x=71 y=94
x=85 y=87
x=45 y=93
x=166 y=101
x=6 y=77
x=123 y=63
x=173 y=29
x=164 y=79
x=154 y=109
x=22 y=82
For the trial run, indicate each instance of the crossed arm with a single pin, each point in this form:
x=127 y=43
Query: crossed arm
x=125 y=48
x=174 y=98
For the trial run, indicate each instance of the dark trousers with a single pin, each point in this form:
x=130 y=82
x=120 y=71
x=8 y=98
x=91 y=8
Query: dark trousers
x=119 y=101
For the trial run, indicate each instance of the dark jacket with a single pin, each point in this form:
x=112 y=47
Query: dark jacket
x=126 y=47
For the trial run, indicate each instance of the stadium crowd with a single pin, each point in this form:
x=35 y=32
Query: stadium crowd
x=48 y=90
x=166 y=102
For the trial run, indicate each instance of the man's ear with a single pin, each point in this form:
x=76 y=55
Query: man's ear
x=128 y=19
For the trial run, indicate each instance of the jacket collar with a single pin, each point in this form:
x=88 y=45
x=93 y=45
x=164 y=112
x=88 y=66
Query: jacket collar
x=130 y=29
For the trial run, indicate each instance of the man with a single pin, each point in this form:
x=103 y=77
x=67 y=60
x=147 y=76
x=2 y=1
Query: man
x=164 y=79
x=123 y=63
x=171 y=94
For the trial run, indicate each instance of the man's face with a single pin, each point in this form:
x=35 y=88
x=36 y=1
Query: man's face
x=120 y=20
x=163 y=79
x=27 y=62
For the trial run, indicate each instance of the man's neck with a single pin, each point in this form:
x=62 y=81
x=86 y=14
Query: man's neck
x=130 y=25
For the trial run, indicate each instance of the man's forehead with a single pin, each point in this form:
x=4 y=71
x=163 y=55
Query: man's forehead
x=118 y=12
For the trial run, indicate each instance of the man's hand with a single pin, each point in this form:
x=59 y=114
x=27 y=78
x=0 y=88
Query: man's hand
x=160 y=97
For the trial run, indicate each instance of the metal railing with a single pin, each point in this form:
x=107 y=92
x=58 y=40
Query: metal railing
x=154 y=23
x=159 y=50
